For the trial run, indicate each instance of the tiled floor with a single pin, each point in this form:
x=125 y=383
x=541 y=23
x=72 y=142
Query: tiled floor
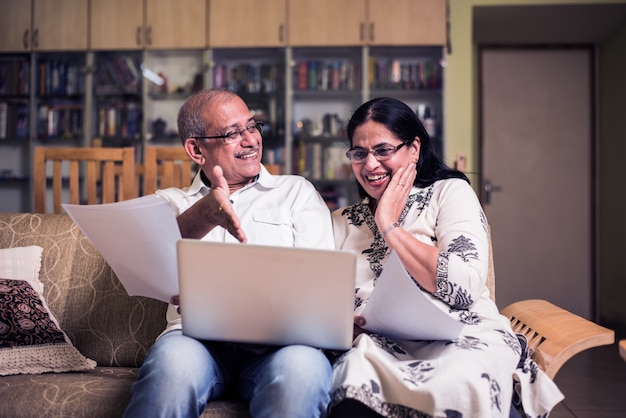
x=594 y=385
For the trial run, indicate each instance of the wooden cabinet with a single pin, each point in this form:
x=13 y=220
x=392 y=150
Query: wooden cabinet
x=326 y=22
x=56 y=25
x=408 y=22
x=15 y=23
x=166 y=24
x=60 y=25
x=116 y=24
x=247 y=23
x=176 y=24
x=366 y=22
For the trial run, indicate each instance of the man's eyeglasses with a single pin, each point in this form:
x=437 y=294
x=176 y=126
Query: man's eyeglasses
x=358 y=155
x=235 y=135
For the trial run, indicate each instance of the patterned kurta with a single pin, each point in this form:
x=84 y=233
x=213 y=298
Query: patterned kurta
x=470 y=376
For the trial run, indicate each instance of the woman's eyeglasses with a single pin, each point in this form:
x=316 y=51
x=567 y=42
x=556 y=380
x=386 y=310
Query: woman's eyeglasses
x=358 y=155
x=235 y=135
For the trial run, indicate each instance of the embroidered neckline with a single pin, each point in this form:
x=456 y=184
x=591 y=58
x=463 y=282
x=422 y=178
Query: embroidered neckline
x=378 y=250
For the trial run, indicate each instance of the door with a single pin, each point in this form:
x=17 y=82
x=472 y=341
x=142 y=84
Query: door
x=60 y=25
x=15 y=24
x=537 y=153
x=247 y=23
x=175 y=24
x=116 y=24
x=408 y=22
x=326 y=22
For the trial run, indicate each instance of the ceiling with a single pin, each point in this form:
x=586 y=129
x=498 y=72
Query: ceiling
x=546 y=24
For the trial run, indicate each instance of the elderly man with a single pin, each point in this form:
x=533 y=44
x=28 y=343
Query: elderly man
x=234 y=198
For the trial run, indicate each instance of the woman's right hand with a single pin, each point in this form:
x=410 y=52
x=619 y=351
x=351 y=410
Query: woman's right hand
x=393 y=199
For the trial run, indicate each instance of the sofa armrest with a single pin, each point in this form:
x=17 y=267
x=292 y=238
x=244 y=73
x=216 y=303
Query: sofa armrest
x=554 y=334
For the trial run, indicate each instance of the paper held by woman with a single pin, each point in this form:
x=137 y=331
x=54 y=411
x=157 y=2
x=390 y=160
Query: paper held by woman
x=391 y=313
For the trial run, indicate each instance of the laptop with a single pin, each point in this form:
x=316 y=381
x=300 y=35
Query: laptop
x=266 y=294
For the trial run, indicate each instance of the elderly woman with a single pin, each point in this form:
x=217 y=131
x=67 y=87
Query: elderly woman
x=431 y=218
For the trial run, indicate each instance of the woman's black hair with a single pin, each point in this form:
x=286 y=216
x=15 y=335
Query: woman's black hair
x=404 y=123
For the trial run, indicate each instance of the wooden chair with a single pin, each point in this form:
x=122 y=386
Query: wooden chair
x=166 y=167
x=554 y=334
x=92 y=172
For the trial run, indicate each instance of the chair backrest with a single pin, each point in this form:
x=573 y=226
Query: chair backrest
x=166 y=167
x=93 y=175
x=554 y=334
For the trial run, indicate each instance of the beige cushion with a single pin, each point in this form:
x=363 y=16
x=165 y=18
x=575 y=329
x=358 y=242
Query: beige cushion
x=83 y=293
x=31 y=341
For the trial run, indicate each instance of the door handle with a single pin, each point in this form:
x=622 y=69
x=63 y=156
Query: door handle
x=489 y=188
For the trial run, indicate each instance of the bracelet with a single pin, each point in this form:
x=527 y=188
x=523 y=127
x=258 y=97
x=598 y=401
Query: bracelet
x=389 y=228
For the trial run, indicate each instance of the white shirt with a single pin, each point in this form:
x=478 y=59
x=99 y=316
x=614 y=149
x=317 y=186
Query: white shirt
x=282 y=210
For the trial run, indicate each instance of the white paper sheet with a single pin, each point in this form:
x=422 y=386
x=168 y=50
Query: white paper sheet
x=398 y=309
x=137 y=238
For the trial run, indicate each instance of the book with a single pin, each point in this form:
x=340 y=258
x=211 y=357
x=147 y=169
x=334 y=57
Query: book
x=132 y=67
x=4 y=114
x=302 y=75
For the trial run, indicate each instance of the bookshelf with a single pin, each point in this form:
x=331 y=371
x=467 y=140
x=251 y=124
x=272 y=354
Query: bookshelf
x=414 y=75
x=117 y=113
x=330 y=83
x=42 y=101
x=14 y=130
x=258 y=76
x=304 y=95
x=327 y=88
x=181 y=72
x=14 y=97
x=59 y=92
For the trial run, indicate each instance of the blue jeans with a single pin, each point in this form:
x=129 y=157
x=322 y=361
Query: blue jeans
x=181 y=375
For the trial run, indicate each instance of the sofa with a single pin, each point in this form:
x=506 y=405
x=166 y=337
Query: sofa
x=110 y=332
x=102 y=322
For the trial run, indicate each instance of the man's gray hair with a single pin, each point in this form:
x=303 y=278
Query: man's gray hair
x=191 y=120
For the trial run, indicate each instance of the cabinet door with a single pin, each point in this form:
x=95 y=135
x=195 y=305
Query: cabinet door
x=15 y=24
x=408 y=22
x=326 y=22
x=247 y=23
x=179 y=24
x=60 y=25
x=116 y=24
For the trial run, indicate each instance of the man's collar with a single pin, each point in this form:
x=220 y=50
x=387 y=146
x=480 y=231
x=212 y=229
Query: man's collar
x=264 y=178
x=205 y=179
